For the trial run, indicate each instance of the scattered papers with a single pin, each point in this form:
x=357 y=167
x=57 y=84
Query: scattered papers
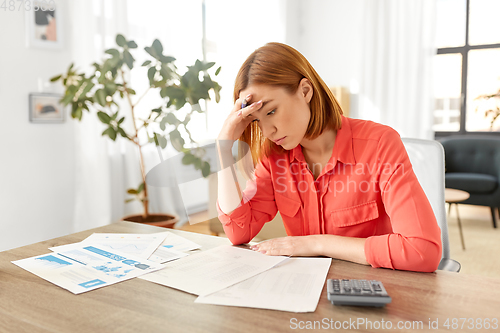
x=209 y=271
x=294 y=285
x=142 y=245
x=158 y=247
x=87 y=267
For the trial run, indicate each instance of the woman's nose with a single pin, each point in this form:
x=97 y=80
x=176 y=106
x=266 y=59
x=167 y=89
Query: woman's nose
x=267 y=129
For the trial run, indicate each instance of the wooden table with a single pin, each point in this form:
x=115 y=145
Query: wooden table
x=453 y=196
x=31 y=304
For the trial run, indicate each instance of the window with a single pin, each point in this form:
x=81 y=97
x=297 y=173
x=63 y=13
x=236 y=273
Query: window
x=466 y=67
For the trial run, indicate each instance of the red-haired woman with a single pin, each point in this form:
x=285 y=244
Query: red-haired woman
x=345 y=187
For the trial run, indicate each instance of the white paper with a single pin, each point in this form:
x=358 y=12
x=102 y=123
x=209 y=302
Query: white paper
x=212 y=270
x=178 y=243
x=294 y=285
x=87 y=267
x=172 y=248
x=142 y=245
x=165 y=254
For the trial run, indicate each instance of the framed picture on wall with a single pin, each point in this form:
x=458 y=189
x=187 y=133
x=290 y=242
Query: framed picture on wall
x=45 y=108
x=44 y=24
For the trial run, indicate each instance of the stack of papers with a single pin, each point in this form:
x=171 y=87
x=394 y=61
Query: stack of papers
x=104 y=259
x=232 y=276
x=224 y=275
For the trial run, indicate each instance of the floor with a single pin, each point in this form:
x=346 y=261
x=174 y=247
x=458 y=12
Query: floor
x=482 y=241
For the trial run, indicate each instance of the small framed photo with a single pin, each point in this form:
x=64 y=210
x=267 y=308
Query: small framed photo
x=45 y=108
x=44 y=24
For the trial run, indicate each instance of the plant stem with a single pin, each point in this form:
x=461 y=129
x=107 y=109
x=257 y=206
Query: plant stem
x=136 y=137
x=149 y=88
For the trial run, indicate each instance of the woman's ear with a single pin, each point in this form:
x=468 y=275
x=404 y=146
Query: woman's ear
x=306 y=90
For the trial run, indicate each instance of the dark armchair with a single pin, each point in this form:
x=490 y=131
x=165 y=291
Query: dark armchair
x=473 y=165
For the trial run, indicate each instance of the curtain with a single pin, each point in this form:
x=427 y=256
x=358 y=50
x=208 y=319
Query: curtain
x=396 y=70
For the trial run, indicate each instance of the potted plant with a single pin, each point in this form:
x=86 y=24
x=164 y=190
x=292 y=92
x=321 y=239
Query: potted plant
x=107 y=83
x=493 y=113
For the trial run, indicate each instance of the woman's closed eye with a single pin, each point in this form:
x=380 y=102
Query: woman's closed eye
x=268 y=114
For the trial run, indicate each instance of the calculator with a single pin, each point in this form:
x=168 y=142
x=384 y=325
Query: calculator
x=357 y=292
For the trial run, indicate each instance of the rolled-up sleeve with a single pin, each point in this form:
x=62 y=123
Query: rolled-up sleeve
x=415 y=243
x=257 y=207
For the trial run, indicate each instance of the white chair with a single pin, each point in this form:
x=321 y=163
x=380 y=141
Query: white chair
x=427 y=159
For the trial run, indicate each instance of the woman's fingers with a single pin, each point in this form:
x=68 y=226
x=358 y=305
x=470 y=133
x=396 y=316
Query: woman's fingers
x=245 y=112
x=276 y=247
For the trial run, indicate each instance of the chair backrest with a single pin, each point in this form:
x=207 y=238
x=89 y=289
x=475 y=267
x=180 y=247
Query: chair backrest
x=475 y=153
x=427 y=159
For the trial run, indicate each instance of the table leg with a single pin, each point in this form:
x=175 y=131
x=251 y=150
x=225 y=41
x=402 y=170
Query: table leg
x=460 y=227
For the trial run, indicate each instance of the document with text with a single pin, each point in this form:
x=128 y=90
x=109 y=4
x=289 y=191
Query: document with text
x=87 y=267
x=141 y=245
x=209 y=271
x=294 y=285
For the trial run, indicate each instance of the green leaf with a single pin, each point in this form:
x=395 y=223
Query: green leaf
x=146 y=63
x=131 y=44
x=132 y=191
x=152 y=52
x=205 y=169
x=197 y=163
x=77 y=113
x=166 y=59
x=177 y=140
x=110 y=88
x=217 y=71
x=130 y=91
x=172 y=119
x=55 y=78
x=103 y=117
x=122 y=132
x=157 y=47
x=100 y=97
x=165 y=72
x=121 y=120
x=120 y=40
x=141 y=187
x=208 y=65
x=151 y=74
x=128 y=58
x=114 y=52
x=163 y=123
x=217 y=89
x=188 y=159
x=129 y=200
x=110 y=132
x=88 y=86
x=162 y=141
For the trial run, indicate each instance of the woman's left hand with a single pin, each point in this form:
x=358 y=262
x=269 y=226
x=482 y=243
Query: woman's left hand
x=297 y=246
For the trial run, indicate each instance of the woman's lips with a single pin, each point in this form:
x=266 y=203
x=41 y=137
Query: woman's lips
x=279 y=141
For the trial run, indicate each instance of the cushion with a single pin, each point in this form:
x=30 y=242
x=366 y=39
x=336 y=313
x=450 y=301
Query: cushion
x=471 y=182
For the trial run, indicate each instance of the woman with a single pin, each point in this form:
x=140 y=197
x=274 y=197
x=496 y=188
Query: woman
x=345 y=187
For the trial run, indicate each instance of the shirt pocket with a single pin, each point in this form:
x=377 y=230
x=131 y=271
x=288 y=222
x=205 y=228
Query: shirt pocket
x=287 y=206
x=358 y=214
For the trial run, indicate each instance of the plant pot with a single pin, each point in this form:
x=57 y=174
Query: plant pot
x=159 y=220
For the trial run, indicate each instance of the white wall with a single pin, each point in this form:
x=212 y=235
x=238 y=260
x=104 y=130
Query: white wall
x=37 y=168
x=328 y=33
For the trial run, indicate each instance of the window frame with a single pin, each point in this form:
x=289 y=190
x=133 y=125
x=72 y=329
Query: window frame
x=464 y=51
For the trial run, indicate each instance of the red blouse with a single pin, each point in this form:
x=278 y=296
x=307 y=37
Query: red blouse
x=367 y=189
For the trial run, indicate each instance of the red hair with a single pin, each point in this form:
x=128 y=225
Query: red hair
x=277 y=64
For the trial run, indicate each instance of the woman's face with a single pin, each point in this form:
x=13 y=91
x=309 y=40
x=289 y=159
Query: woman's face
x=283 y=117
